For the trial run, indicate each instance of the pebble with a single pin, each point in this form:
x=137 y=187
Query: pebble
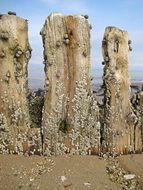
x=87 y=184
x=31 y=179
x=12 y=13
x=129 y=176
x=63 y=178
x=86 y=16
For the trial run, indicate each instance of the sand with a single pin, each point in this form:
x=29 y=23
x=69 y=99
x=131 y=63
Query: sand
x=63 y=172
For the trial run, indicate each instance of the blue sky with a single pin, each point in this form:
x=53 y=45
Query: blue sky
x=125 y=14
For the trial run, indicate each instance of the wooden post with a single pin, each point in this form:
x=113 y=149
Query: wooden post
x=137 y=102
x=120 y=121
x=15 y=133
x=70 y=115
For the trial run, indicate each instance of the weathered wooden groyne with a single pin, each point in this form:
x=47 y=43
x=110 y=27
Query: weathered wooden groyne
x=121 y=130
x=16 y=136
x=70 y=120
x=71 y=115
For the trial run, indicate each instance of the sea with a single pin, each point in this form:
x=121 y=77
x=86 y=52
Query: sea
x=36 y=75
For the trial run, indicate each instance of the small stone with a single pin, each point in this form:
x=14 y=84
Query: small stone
x=87 y=184
x=130 y=48
x=66 y=36
x=129 y=42
x=129 y=176
x=66 y=41
x=31 y=179
x=86 y=16
x=63 y=178
x=84 y=54
x=12 y=13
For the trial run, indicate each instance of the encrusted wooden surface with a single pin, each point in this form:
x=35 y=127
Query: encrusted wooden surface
x=71 y=122
x=121 y=134
x=137 y=102
x=15 y=53
x=70 y=116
